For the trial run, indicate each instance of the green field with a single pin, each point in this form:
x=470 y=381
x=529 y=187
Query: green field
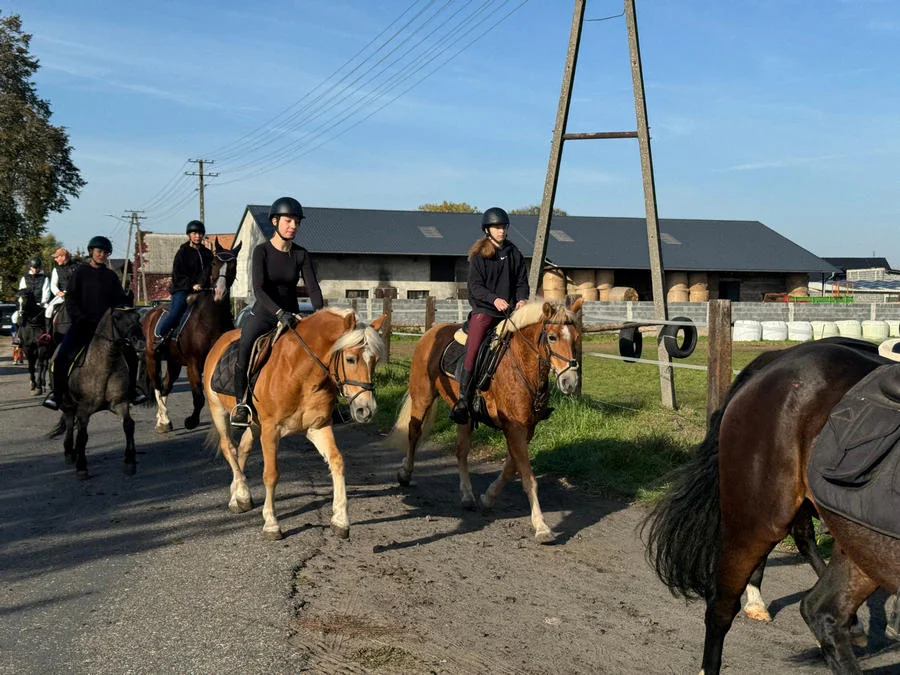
x=616 y=440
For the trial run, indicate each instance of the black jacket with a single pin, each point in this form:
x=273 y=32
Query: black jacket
x=191 y=266
x=92 y=291
x=500 y=274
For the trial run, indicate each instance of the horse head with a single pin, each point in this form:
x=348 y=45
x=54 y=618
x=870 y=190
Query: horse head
x=29 y=309
x=224 y=268
x=352 y=366
x=125 y=328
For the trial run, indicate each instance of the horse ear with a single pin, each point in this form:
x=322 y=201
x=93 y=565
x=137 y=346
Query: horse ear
x=349 y=321
x=217 y=246
x=575 y=307
x=548 y=310
x=376 y=324
x=237 y=248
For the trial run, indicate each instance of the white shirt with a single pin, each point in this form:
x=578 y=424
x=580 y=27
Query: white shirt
x=45 y=290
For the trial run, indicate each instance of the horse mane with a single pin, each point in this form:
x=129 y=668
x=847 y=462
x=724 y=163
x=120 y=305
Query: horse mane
x=533 y=312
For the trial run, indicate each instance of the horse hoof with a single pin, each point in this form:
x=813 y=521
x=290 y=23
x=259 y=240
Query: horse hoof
x=130 y=468
x=340 y=531
x=403 y=478
x=547 y=537
x=240 y=506
x=484 y=506
x=272 y=535
x=468 y=504
x=191 y=423
x=70 y=459
x=757 y=612
x=81 y=474
x=858 y=636
x=163 y=428
x=35 y=392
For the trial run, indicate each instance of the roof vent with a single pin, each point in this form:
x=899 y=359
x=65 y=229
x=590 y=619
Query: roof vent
x=430 y=232
x=669 y=239
x=559 y=235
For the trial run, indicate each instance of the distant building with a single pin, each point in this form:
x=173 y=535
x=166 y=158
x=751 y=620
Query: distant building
x=151 y=271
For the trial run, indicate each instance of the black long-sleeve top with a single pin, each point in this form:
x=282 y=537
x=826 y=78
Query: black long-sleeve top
x=92 y=291
x=276 y=274
x=190 y=266
x=501 y=275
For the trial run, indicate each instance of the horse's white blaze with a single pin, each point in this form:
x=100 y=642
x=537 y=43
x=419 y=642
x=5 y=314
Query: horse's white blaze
x=567 y=334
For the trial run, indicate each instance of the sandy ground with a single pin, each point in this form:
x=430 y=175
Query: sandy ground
x=150 y=573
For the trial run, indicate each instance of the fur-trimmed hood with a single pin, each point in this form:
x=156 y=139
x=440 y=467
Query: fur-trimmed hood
x=482 y=248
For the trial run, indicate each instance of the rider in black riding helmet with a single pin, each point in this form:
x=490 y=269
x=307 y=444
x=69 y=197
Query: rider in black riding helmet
x=275 y=270
x=190 y=271
x=93 y=289
x=38 y=283
x=498 y=283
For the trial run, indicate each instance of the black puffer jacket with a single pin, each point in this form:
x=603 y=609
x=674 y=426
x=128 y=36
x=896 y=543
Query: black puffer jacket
x=191 y=266
x=496 y=273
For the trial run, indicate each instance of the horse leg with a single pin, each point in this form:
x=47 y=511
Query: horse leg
x=163 y=423
x=829 y=607
x=463 y=446
x=269 y=440
x=421 y=411
x=324 y=441
x=239 y=499
x=196 y=380
x=123 y=410
x=741 y=555
x=69 y=440
x=756 y=606
x=81 y=439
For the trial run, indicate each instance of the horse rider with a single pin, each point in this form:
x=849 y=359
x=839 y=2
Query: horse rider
x=498 y=280
x=93 y=289
x=190 y=271
x=276 y=268
x=59 y=281
x=38 y=283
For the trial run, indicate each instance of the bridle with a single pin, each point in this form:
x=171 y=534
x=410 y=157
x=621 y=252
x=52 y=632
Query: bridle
x=336 y=371
x=114 y=337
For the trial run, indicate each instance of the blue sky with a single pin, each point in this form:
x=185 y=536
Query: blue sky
x=782 y=111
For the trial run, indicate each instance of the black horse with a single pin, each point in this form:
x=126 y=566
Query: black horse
x=747 y=487
x=100 y=380
x=34 y=341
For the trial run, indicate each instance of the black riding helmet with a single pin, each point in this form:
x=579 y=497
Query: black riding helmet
x=195 y=226
x=286 y=206
x=102 y=243
x=494 y=217
x=36 y=263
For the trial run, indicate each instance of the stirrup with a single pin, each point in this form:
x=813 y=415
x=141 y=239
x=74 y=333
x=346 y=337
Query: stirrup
x=243 y=424
x=50 y=402
x=460 y=414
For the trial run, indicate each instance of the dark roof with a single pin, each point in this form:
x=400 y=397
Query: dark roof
x=859 y=263
x=574 y=241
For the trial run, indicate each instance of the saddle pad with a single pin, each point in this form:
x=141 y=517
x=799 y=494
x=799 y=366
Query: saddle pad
x=222 y=381
x=452 y=359
x=180 y=326
x=854 y=466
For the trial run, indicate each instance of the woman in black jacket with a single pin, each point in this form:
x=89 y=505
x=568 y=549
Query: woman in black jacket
x=190 y=271
x=498 y=282
x=276 y=267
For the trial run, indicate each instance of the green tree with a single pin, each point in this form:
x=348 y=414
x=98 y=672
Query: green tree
x=534 y=210
x=449 y=207
x=37 y=175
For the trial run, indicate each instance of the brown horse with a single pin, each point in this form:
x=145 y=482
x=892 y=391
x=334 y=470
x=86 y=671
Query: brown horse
x=325 y=355
x=542 y=337
x=746 y=486
x=210 y=318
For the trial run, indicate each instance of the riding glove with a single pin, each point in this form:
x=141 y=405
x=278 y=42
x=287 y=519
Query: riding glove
x=286 y=319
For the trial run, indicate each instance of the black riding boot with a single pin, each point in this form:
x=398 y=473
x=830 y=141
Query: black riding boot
x=462 y=411
x=136 y=395
x=240 y=416
x=60 y=386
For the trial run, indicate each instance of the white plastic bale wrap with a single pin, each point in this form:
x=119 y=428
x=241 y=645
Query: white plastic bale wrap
x=774 y=330
x=894 y=327
x=817 y=328
x=875 y=330
x=746 y=331
x=830 y=329
x=849 y=328
x=800 y=331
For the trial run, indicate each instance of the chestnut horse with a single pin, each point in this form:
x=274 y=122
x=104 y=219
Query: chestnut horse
x=747 y=486
x=323 y=356
x=210 y=318
x=542 y=337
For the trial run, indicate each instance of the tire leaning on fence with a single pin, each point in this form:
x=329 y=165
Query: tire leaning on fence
x=631 y=343
x=683 y=348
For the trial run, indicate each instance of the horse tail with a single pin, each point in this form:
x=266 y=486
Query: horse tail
x=683 y=531
x=398 y=438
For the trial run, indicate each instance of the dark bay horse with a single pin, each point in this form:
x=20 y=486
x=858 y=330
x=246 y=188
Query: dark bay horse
x=100 y=382
x=542 y=339
x=34 y=343
x=210 y=318
x=325 y=355
x=746 y=487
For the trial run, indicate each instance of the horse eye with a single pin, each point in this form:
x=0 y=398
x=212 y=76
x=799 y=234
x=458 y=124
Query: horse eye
x=551 y=337
x=351 y=360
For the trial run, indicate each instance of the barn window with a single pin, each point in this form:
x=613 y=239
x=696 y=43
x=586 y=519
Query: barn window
x=356 y=293
x=416 y=295
x=442 y=268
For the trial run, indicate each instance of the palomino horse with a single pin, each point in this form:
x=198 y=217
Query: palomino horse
x=324 y=355
x=101 y=382
x=210 y=318
x=37 y=347
x=542 y=337
x=745 y=487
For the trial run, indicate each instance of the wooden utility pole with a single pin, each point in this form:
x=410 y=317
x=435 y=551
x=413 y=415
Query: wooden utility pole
x=667 y=384
x=718 y=364
x=133 y=224
x=201 y=175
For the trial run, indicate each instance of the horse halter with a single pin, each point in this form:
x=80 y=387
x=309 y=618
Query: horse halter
x=334 y=369
x=571 y=364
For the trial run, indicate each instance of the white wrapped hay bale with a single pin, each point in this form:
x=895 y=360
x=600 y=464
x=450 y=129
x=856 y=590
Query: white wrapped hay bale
x=800 y=331
x=893 y=328
x=746 y=331
x=875 y=330
x=817 y=328
x=830 y=329
x=849 y=328
x=774 y=330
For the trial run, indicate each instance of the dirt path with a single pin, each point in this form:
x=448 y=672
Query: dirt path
x=151 y=573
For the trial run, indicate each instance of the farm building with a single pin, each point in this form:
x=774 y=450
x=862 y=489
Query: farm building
x=367 y=253
x=152 y=265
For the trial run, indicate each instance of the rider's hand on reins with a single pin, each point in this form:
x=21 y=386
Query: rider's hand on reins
x=286 y=319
